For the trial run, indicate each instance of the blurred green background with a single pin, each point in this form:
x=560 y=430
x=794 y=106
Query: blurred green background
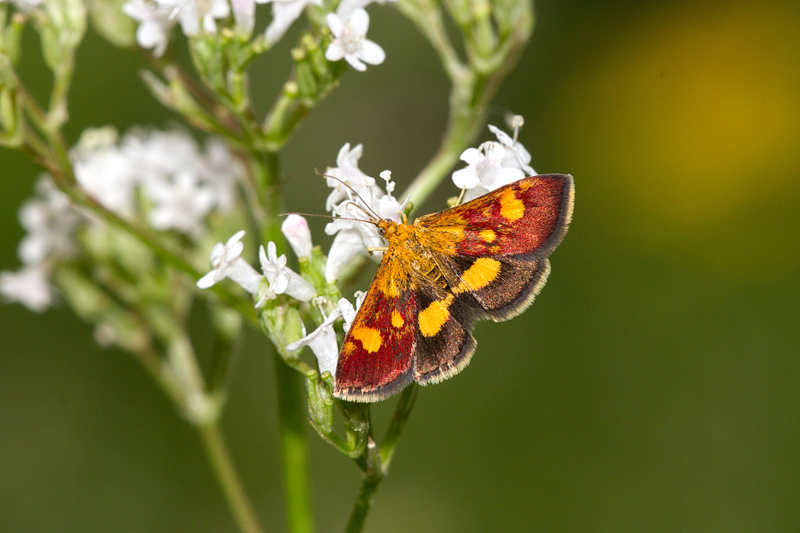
x=653 y=386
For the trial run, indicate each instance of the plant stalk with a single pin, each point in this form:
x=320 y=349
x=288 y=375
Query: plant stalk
x=294 y=446
x=228 y=479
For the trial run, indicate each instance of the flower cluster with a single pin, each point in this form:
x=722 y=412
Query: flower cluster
x=228 y=263
x=348 y=25
x=50 y=222
x=162 y=173
x=354 y=199
x=163 y=177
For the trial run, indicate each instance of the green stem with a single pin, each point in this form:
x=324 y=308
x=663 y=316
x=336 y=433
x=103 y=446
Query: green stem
x=285 y=116
x=373 y=475
x=270 y=198
x=292 y=421
x=401 y=413
x=228 y=479
x=369 y=485
x=376 y=461
x=467 y=115
x=474 y=84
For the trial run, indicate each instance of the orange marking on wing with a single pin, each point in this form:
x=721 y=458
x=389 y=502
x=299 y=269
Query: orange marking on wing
x=370 y=338
x=511 y=207
x=432 y=318
x=482 y=272
x=397 y=319
x=488 y=235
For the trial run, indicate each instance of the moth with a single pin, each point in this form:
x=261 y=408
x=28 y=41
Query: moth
x=486 y=259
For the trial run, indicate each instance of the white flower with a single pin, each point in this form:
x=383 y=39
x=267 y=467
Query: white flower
x=284 y=12
x=244 y=13
x=221 y=171
x=282 y=279
x=494 y=164
x=163 y=156
x=346 y=172
x=388 y=207
x=50 y=221
x=355 y=235
x=29 y=286
x=181 y=203
x=193 y=13
x=295 y=229
x=350 y=40
x=485 y=171
x=348 y=243
x=155 y=23
x=515 y=154
x=322 y=342
x=181 y=184
x=228 y=263
x=157 y=154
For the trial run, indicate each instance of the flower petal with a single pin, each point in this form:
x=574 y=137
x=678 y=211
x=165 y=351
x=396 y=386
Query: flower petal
x=371 y=53
x=295 y=229
x=347 y=244
x=359 y=21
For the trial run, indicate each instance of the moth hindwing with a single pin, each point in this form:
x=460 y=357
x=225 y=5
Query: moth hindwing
x=486 y=259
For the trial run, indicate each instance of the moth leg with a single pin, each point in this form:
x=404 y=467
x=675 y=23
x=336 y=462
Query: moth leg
x=461 y=196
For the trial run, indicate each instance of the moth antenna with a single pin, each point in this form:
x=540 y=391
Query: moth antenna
x=371 y=213
x=318 y=215
x=304 y=214
x=371 y=218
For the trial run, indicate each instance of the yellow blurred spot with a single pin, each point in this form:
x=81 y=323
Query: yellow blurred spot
x=488 y=235
x=689 y=124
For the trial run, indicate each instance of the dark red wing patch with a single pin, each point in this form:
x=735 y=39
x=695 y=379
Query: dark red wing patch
x=377 y=354
x=528 y=217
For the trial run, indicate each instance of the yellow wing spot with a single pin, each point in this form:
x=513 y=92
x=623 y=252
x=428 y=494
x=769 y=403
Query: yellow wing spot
x=433 y=317
x=482 y=272
x=397 y=319
x=370 y=338
x=488 y=235
x=511 y=207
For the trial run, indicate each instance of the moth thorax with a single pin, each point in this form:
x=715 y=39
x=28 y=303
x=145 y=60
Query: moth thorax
x=397 y=233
